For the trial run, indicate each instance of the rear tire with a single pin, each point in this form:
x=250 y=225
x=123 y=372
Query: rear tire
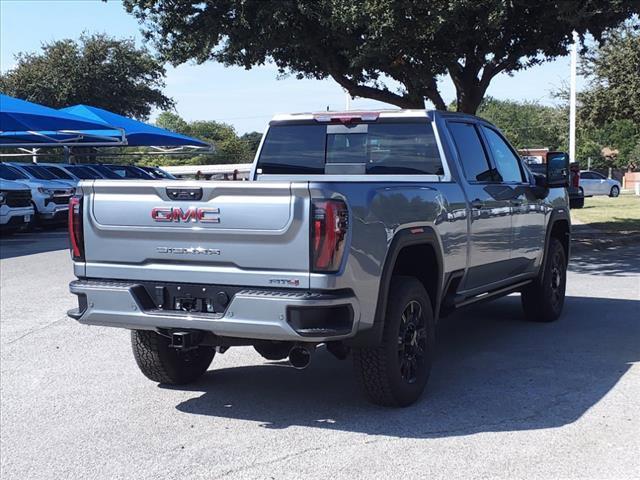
x=164 y=364
x=544 y=299
x=395 y=372
x=615 y=191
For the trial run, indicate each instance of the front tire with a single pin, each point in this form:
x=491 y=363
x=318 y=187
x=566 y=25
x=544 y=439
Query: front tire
x=615 y=191
x=395 y=372
x=164 y=364
x=543 y=300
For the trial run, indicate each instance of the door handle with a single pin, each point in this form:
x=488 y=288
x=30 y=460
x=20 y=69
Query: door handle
x=477 y=204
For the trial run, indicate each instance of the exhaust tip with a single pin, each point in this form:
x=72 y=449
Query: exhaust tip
x=300 y=357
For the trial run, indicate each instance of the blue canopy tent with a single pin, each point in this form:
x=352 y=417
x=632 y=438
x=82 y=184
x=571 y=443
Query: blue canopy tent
x=138 y=134
x=26 y=124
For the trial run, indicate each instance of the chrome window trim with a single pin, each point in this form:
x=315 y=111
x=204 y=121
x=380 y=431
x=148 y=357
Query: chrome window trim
x=351 y=178
x=446 y=177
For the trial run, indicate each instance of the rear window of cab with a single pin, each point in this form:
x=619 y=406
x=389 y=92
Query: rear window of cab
x=376 y=148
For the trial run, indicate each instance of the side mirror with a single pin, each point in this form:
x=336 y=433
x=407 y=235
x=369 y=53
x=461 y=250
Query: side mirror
x=557 y=170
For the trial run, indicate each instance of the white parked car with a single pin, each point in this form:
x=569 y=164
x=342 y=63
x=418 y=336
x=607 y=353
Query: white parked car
x=49 y=198
x=593 y=183
x=16 y=209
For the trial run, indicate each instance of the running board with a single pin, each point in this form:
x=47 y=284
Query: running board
x=462 y=301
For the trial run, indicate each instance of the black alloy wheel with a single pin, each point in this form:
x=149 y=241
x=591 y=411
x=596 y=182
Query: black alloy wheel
x=412 y=342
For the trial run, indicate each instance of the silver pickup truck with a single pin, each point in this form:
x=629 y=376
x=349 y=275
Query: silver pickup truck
x=357 y=231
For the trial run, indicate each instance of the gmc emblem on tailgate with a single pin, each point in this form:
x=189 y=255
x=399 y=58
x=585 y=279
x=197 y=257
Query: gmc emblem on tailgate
x=191 y=214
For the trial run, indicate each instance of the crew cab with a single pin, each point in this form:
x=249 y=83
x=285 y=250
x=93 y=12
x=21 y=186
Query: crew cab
x=359 y=231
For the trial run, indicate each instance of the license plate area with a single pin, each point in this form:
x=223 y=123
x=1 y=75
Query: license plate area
x=190 y=298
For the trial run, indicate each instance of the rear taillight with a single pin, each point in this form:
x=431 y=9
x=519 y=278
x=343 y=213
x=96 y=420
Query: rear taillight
x=575 y=179
x=75 y=228
x=328 y=234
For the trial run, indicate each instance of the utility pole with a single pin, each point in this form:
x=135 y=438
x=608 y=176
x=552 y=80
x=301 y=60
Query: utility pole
x=572 y=98
x=347 y=101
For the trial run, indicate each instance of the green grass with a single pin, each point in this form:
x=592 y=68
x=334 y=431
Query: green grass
x=621 y=214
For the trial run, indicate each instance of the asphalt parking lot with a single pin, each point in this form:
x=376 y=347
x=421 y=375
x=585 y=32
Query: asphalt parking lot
x=507 y=399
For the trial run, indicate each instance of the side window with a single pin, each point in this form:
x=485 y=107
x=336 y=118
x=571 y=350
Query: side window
x=474 y=160
x=587 y=175
x=507 y=163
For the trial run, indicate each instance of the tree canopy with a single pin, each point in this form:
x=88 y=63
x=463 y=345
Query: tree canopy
x=388 y=50
x=229 y=148
x=528 y=124
x=613 y=74
x=97 y=70
x=609 y=107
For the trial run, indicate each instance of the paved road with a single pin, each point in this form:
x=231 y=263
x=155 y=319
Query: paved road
x=507 y=399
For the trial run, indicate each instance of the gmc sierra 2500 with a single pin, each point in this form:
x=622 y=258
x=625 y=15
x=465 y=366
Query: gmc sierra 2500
x=358 y=231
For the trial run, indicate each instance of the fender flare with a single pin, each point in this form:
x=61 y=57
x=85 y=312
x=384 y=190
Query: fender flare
x=406 y=237
x=558 y=214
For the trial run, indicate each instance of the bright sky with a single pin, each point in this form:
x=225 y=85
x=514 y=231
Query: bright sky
x=245 y=99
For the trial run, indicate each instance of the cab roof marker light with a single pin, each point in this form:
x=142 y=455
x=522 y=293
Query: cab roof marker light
x=347 y=117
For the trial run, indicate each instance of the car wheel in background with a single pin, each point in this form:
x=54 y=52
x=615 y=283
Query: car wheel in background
x=615 y=191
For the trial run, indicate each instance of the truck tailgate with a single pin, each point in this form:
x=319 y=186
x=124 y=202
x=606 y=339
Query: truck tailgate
x=225 y=233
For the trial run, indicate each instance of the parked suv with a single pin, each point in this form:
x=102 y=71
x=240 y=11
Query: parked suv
x=16 y=210
x=37 y=173
x=118 y=172
x=359 y=231
x=71 y=172
x=157 y=172
x=50 y=198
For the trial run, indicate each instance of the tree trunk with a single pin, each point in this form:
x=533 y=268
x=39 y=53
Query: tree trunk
x=470 y=84
x=469 y=100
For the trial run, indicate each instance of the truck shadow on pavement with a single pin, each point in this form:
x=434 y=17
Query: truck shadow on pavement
x=494 y=372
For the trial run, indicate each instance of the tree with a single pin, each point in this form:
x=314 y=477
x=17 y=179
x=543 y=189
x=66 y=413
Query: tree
x=634 y=157
x=172 y=121
x=229 y=148
x=528 y=124
x=609 y=107
x=613 y=73
x=252 y=140
x=388 y=50
x=97 y=70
